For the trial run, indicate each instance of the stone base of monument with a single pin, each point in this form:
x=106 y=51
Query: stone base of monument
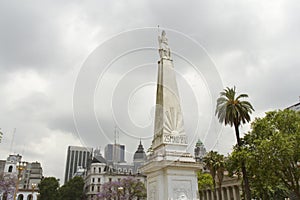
x=171 y=175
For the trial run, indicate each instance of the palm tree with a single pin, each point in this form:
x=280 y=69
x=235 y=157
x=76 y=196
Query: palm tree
x=215 y=164
x=232 y=110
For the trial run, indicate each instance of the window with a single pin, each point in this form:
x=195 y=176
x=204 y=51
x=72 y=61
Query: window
x=98 y=189
x=92 y=188
x=10 y=168
x=20 y=197
x=30 y=197
x=109 y=179
x=99 y=169
x=93 y=180
x=94 y=169
x=99 y=180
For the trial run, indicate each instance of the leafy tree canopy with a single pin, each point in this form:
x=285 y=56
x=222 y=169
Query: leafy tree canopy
x=272 y=155
x=205 y=181
x=72 y=190
x=48 y=188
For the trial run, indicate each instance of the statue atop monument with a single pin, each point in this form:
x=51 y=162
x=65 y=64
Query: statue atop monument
x=164 y=50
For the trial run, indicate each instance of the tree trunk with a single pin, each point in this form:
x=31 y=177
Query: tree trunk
x=220 y=193
x=215 y=191
x=243 y=164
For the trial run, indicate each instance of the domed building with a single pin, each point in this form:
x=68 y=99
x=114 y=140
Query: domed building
x=139 y=157
x=102 y=171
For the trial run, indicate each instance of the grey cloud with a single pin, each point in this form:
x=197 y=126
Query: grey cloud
x=253 y=49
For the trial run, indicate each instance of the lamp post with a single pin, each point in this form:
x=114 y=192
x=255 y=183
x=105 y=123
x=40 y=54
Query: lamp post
x=33 y=186
x=120 y=191
x=20 y=167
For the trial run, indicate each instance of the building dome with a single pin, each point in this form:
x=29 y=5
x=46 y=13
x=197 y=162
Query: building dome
x=199 y=143
x=140 y=153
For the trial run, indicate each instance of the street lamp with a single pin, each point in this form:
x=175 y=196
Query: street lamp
x=120 y=191
x=33 y=186
x=20 y=167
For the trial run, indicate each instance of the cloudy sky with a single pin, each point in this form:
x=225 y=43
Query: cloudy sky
x=72 y=71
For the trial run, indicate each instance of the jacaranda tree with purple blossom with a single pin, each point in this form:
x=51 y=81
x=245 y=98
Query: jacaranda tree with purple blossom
x=126 y=189
x=7 y=185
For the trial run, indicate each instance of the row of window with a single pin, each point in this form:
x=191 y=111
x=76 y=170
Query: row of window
x=93 y=188
x=120 y=170
x=93 y=180
x=99 y=169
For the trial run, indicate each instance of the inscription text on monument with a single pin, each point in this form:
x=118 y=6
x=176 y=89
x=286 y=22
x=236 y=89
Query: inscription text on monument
x=175 y=139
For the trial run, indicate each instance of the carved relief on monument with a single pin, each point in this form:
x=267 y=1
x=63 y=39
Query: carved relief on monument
x=173 y=127
x=182 y=189
x=173 y=122
x=152 y=191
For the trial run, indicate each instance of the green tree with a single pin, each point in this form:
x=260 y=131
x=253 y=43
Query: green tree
x=72 y=190
x=232 y=110
x=48 y=188
x=205 y=181
x=216 y=165
x=273 y=154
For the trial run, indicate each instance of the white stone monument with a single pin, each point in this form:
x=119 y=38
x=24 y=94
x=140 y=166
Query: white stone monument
x=171 y=171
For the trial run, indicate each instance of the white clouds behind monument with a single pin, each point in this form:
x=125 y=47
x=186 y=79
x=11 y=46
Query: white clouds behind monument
x=118 y=83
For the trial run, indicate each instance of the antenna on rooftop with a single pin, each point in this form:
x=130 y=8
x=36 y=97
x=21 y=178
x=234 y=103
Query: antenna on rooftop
x=158 y=29
x=12 y=140
x=116 y=135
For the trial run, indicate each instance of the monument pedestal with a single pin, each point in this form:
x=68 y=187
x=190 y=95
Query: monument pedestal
x=170 y=177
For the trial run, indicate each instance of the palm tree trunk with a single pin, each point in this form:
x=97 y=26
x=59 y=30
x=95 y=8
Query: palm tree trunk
x=245 y=177
x=220 y=192
x=215 y=191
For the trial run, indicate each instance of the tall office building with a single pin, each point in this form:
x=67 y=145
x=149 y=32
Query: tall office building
x=77 y=157
x=115 y=153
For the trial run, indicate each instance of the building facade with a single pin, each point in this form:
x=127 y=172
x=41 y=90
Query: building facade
x=101 y=171
x=231 y=190
x=77 y=158
x=25 y=175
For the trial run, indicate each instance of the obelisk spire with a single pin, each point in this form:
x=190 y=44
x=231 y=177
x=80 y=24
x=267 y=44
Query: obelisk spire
x=169 y=128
